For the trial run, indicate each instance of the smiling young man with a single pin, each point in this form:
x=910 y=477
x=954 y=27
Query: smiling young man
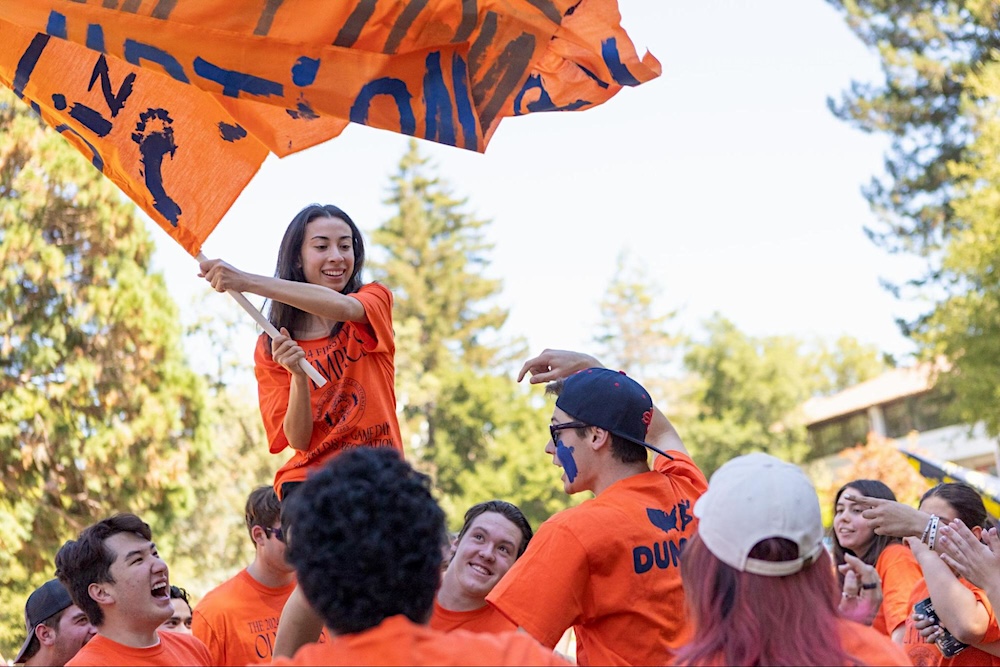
x=56 y=627
x=494 y=535
x=116 y=576
x=609 y=567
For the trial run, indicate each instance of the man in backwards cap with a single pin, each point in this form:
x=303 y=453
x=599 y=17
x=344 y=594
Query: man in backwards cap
x=56 y=627
x=609 y=567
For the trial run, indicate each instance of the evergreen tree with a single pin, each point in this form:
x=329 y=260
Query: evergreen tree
x=464 y=418
x=964 y=325
x=100 y=412
x=632 y=335
x=929 y=49
x=435 y=255
x=939 y=199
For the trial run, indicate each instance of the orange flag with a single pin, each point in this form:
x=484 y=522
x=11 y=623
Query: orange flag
x=179 y=101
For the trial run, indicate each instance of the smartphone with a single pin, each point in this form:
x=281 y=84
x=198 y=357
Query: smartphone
x=947 y=644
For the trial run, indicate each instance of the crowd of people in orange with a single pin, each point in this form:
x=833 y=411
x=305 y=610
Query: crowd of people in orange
x=353 y=564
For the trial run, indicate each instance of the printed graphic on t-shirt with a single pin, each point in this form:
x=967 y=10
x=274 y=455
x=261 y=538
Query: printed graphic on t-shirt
x=342 y=407
x=265 y=629
x=666 y=553
x=333 y=359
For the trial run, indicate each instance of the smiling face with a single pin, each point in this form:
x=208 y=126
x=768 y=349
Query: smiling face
x=328 y=253
x=852 y=531
x=73 y=631
x=140 y=593
x=486 y=551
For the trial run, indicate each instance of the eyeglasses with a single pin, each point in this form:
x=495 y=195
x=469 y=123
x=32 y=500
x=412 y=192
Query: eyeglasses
x=555 y=428
x=277 y=533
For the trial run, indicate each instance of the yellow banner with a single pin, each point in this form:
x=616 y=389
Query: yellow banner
x=179 y=101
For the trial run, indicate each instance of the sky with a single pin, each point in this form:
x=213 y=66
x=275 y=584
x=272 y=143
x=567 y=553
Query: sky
x=726 y=179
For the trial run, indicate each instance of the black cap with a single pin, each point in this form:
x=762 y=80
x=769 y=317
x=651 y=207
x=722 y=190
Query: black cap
x=48 y=599
x=611 y=400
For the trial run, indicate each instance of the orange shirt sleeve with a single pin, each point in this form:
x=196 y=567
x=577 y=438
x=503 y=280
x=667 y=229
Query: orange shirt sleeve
x=682 y=469
x=900 y=574
x=377 y=302
x=556 y=564
x=993 y=629
x=273 y=386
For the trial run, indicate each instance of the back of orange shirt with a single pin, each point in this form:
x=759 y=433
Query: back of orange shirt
x=174 y=649
x=238 y=620
x=484 y=619
x=399 y=641
x=610 y=568
x=357 y=406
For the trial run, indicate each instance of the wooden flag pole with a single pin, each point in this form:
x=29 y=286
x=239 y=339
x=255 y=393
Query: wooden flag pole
x=244 y=302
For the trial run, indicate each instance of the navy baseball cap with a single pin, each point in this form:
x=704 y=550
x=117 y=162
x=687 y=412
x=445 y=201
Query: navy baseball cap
x=48 y=599
x=611 y=400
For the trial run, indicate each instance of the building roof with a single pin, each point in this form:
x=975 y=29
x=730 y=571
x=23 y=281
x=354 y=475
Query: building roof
x=891 y=385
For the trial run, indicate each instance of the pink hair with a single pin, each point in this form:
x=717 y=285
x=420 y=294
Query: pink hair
x=748 y=619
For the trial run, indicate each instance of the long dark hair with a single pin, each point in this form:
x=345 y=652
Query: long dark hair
x=289 y=265
x=873 y=489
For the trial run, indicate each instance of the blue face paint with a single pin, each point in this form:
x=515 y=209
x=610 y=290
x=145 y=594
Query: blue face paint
x=565 y=455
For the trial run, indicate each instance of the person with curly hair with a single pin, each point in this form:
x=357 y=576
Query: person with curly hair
x=364 y=534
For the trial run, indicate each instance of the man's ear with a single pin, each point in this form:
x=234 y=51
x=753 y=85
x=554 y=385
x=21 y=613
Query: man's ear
x=258 y=535
x=599 y=438
x=978 y=532
x=100 y=594
x=46 y=635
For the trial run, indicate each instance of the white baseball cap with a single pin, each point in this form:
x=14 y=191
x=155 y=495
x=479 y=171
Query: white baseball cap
x=755 y=497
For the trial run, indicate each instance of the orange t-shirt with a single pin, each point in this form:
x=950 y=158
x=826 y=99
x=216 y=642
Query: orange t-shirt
x=357 y=406
x=484 y=619
x=865 y=645
x=922 y=653
x=399 y=641
x=174 y=649
x=900 y=574
x=610 y=568
x=238 y=620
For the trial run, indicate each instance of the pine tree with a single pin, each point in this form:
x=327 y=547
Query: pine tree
x=435 y=258
x=464 y=419
x=632 y=335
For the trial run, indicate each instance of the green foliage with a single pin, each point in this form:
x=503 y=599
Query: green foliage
x=463 y=418
x=847 y=362
x=746 y=395
x=929 y=49
x=210 y=542
x=964 y=325
x=939 y=199
x=632 y=335
x=100 y=411
x=490 y=444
